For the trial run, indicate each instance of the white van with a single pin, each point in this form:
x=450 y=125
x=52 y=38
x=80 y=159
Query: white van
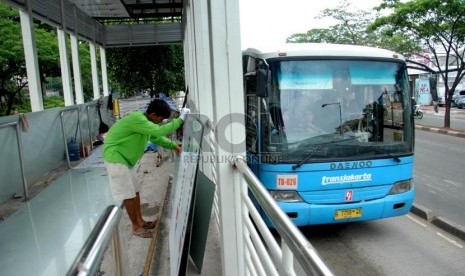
x=457 y=93
x=441 y=97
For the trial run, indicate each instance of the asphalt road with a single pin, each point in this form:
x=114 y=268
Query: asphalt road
x=404 y=245
x=439 y=174
x=437 y=119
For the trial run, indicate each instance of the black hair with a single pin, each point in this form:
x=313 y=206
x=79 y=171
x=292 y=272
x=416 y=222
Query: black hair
x=159 y=107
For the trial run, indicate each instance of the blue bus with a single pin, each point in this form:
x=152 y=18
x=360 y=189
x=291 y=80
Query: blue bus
x=329 y=131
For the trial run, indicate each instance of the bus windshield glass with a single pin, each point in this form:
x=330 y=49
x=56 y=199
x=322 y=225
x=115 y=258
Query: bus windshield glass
x=327 y=110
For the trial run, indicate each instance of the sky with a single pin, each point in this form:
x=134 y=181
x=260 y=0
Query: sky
x=265 y=22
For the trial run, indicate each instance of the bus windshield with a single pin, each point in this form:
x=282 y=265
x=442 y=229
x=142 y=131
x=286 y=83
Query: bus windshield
x=326 y=110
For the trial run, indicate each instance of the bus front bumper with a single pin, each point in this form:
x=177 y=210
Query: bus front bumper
x=302 y=213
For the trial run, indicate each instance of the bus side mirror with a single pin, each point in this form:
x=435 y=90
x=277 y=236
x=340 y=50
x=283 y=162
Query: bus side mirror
x=262 y=83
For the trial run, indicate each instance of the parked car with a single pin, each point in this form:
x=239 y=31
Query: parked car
x=460 y=102
x=457 y=93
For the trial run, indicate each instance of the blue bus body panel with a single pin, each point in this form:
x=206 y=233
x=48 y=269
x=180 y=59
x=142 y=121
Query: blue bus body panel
x=309 y=214
x=328 y=187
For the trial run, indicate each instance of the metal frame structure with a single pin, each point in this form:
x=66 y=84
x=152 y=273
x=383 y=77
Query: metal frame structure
x=88 y=260
x=279 y=261
x=130 y=22
x=64 y=134
x=20 y=152
x=89 y=124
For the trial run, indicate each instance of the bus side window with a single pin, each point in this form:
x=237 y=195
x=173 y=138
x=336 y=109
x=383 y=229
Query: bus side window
x=251 y=120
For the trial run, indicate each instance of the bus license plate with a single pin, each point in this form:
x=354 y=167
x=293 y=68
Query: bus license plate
x=287 y=182
x=348 y=213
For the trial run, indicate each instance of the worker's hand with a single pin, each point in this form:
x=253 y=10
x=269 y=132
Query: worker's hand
x=184 y=111
x=177 y=149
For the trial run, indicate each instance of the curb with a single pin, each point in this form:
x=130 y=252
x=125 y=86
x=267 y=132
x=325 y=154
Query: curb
x=440 y=222
x=441 y=131
x=422 y=212
x=450 y=227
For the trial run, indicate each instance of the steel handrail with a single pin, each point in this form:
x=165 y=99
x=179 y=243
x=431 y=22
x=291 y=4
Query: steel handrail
x=89 y=126
x=302 y=249
x=88 y=260
x=20 y=152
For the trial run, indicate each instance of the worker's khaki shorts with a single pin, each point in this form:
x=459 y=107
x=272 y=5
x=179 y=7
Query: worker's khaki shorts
x=124 y=183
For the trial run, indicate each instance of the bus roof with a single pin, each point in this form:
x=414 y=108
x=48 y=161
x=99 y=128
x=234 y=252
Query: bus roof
x=319 y=50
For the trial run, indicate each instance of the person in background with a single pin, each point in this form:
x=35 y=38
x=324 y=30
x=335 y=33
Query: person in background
x=125 y=144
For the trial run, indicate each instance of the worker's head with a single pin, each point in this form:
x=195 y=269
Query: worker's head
x=157 y=111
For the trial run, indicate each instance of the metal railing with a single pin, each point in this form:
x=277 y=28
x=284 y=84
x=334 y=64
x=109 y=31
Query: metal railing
x=64 y=134
x=263 y=254
x=20 y=152
x=88 y=260
x=89 y=123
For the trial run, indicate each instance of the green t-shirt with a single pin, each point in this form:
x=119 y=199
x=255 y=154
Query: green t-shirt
x=126 y=140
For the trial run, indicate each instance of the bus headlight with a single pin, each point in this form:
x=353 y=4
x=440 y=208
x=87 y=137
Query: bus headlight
x=286 y=196
x=401 y=187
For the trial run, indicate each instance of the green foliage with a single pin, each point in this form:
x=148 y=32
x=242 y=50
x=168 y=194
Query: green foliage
x=47 y=50
x=53 y=101
x=159 y=69
x=12 y=67
x=24 y=106
x=440 y=25
x=13 y=76
x=351 y=28
x=86 y=70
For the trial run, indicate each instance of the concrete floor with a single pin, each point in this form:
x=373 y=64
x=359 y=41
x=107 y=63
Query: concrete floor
x=140 y=258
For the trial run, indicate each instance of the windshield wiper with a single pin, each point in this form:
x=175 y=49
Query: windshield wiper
x=397 y=159
x=317 y=148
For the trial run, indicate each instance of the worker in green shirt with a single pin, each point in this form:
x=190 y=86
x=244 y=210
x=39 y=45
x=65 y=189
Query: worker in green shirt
x=123 y=147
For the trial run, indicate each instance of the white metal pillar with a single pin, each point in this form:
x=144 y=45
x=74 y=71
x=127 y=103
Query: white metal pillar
x=76 y=69
x=93 y=62
x=227 y=100
x=65 y=68
x=103 y=64
x=189 y=57
x=32 y=64
x=201 y=46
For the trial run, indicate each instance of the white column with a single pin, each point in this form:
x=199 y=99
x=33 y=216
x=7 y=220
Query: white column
x=190 y=68
x=103 y=64
x=93 y=62
x=227 y=99
x=76 y=70
x=32 y=64
x=65 y=68
x=202 y=54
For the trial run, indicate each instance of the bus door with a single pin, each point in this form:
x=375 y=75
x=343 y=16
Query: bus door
x=251 y=120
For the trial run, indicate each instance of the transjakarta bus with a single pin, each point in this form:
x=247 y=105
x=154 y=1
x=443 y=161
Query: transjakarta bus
x=329 y=131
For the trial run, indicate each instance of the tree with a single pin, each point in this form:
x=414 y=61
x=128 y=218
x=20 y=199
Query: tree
x=351 y=28
x=12 y=63
x=86 y=70
x=440 y=25
x=154 y=68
